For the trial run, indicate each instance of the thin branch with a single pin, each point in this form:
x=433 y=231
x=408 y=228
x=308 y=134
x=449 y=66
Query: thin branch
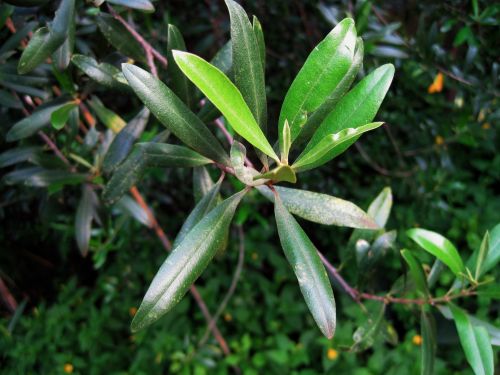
x=380 y=169
x=232 y=287
x=7 y=297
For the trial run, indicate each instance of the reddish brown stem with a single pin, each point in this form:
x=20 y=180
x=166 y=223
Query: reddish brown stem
x=7 y=297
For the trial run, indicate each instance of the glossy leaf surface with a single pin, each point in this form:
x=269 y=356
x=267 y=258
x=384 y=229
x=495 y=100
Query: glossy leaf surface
x=416 y=271
x=186 y=263
x=427 y=326
x=174 y=114
x=226 y=97
x=438 y=246
x=308 y=268
x=323 y=70
x=102 y=73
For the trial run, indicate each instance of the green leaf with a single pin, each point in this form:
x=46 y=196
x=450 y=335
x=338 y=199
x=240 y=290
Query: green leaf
x=143 y=156
x=358 y=107
x=202 y=183
x=261 y=43
x=322 y=72
x=204 y=206
x=186 y=263
x=438 y=246
x=286 y=143
x=144 y=5
x=475 y=343
x=281 y=173
x=83 y=219
x=309 y=270
x=318 y=116
x=174 y=114
x=128 y=205
x=8 y=100
x=62 y=56
x=330 y=147
x=109 y=118
x=364 y=337
x=247 y=65
x=428 y=328
x=380 y=208
x=243 y=173
x=41 y=177
x=46 y=40
x=102 y=73
x=493 y=256
x=60 y=116
x=416 y=271
x=483 y=253
x=179 y=83
x=124 y=140
x=18 y=155
x=226 y=97
x=321 y=208
x=368 y=256
x=119 y=37
x=32 y=124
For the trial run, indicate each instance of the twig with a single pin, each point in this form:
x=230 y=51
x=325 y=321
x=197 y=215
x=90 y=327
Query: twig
x=232 y=287
x=353 y=293
x=380 y=169
x=7 y=297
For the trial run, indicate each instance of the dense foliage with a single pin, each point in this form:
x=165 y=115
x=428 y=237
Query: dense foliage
x=88 y=167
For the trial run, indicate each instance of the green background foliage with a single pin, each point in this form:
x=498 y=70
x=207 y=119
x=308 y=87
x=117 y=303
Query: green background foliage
x=437 y=153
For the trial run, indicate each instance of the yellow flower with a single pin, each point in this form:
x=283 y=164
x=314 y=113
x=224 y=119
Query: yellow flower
x=437 y=85
x=68 y=368
x=417 y=340
x=486 y=126
x=439 y=140
x=132 y=311
x=332 y=354
x=228 y=317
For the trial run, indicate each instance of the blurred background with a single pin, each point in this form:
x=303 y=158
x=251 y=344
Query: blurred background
x=64 y=313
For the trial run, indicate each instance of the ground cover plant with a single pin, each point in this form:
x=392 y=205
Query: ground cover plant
x=255 y=168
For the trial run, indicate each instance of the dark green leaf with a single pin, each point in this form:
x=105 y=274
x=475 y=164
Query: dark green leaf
x=482 y=255
x=40 y=177
x=102 y=73
x=8 y=100
x=124 y=140
x=60 y=116
x=438 y=246
x=330 y=147
x=247 y=64
x=261 y=43
x=119 y=37
x=18 y=155
x=416 y=271
x=358 y=107
x=32 y=124
x=186 y=263
x=226 y=97
x=309 y=270
x=321 y=208
x=427 y=326
x=14 y=41
x=174 y=114
x=365 y=335
x=475 y=342
x=179 y=83
x=202 y=183
x=322 y=72
x=62 y=56
x=83 y=219
x=134 y=209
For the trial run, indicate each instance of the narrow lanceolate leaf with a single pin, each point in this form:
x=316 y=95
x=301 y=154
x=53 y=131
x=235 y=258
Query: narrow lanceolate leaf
x=438 y=246
x=32 y=124
x=46 y=40
x=309 y=270
x=134 y=209
x=481 y=256
x=102 y=73
x=174 y=114
x=358 y=107
x=143 y=156
x=119 y=37
x=204 y=206
x=247 y=63
x=321 y=208
x=416 y=271
x=62 y=56
x=380 y=208
x=186 y=263
x=475 y=343
x=318 y=116
x=286 y=143
x=109 y=118
x=83 y=219
x=493 y=256
x=18 y=155
x=261 y=43
x=60 y=117
x=322 y=72
x=123 y=142
x=331 y=146
x=143 y=5
x=179 y=83
x=226 y=97
x=202 y=183
x=429 y=341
